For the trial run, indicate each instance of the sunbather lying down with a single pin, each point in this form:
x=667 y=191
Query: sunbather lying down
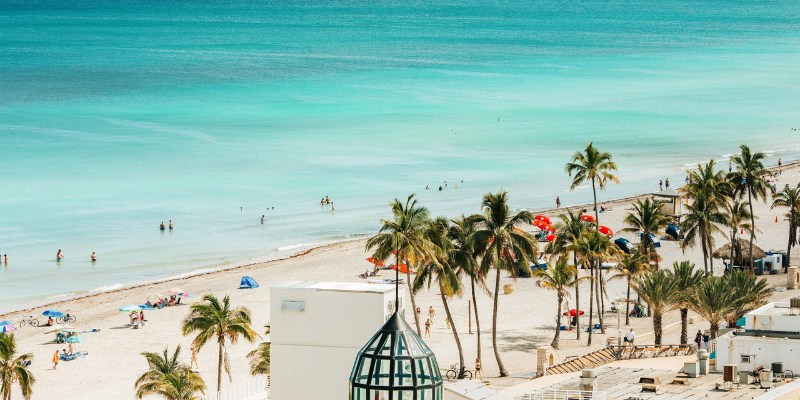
x=69 y=357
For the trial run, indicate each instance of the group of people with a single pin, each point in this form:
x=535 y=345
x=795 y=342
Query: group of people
x=137 y=318
x=163 y=227
x=443 y=186
x=165 y=302
x=429 y=322
x=663 y=184
x=60 y=257
x=326 y=201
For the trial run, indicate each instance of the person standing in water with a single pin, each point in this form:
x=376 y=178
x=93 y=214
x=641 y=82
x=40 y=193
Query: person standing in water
x=171 y=225
x=666 y=183
x=162 y=227
x=5 y=256
x=93 y=257
x=558 y=202
x=59 y=256
x=263 y=219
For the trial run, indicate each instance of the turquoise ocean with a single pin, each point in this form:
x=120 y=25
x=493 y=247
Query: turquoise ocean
x=117 y=115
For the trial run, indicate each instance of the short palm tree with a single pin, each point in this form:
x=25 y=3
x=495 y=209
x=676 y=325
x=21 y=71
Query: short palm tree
x=750 y=175
x=168 y=378
x=569 y=231
x=466 y=255
x=560 y=277
x=595 y=166
x=713 y=301
x=14 y=368
x=218 y=321
x=789 y=197
x=658 y=290
x=738 y=213
x=647 y=219
x=443 y=271
x=702 y=221
x=749 y=291
x=686 y=279
x=259 y=359
x=404 y=236
x=506 y=248
x=631 y=267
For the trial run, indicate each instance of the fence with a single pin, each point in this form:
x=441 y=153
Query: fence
x=254 y=389
x=556 y=394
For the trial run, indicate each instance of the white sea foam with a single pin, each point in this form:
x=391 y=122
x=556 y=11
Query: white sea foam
x=108 y=288
x=297 y=246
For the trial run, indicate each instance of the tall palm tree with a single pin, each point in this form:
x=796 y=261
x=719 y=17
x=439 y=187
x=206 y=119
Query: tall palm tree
x=631 y=267
x=14 y=368
x=219 y=321
x=403 y=236
x=647 y=219
x=169 y=378
x=595 y=166
x=702 y=221
x=592 y=249
x=466 y=254
x=569 y=230
x=750 y=175
x=443 y=271
x=686 y=281
x=707 y=179
x=658 y=290
x=560 y=277
x=789 y=197
x=738 y=213
x=505 y=248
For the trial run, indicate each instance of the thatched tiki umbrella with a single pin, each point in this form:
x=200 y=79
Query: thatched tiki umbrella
x=739 y=252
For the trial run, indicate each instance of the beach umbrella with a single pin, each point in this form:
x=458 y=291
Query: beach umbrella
x=55 y=328
x=550 y=228
x=587 y=218
x=540 y=224
x=175 y=290
x=184 y=294
x=550 y=237
x=7 y=328
x=74 y=339
x=53 y=313
x=741 y=254
x=129 y=308
x=68 y=330
x=605 y=230
x=5 y=322
x=376 y=262
x=146 y=307
x=542 y=218
x=573 y=312
x=403 y=268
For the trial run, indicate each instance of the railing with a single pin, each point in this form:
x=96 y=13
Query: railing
x=556 y=394
x=254 y=389
x=652 y=351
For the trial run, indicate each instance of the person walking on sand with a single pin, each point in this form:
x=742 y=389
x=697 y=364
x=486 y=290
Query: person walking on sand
x=558 y=202
x=431 y=313
x=698 y=339
x=478 y=368
x=59 y=256
x=194 y=358
x=630 y=337
x=93 y=257
x=428 y=328
x=55 y=359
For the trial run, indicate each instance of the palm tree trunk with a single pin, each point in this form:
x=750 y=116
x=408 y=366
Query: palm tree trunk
x=411 y=294
x=657 y=327
x=714 y=330
x=591 y=303
x=596 y=211
x=752 y=225
x=558 y=322
x=577 y=297
x=710 y=256
x=704 y=247
x=477 y=321
x=733 y=243
x=628 y=305
x=602 y=293
x=503 y=372
x=455 y=332
x=219 y=363
x=684 y=325
x=791 y=239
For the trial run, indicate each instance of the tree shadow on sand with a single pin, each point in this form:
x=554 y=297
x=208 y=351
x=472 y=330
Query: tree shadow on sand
x=523 y=341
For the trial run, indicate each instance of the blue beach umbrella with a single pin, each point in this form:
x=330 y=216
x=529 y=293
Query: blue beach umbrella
x=5 y=322
x=53 y=313
x=7 y=328
x=146 y=307
x=74 y=339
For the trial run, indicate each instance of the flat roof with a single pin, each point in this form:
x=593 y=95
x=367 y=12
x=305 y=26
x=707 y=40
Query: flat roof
x=338 y=286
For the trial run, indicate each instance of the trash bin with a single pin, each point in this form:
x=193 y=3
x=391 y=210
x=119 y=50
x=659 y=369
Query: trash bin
x=759 y=266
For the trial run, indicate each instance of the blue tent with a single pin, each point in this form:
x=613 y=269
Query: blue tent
x=248 y=283
x=674 y=231
x=625 y=245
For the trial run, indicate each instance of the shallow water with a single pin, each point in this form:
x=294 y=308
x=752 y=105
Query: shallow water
x=117 y=115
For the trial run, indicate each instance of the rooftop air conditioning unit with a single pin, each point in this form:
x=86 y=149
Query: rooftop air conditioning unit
x=729 y=373
x=794 y=303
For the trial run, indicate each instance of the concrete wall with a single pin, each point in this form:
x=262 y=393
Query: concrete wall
x=313 y=350
x=764 y=351
x=766 y=318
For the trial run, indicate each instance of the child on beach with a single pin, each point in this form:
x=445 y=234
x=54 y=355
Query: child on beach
x=55 y=359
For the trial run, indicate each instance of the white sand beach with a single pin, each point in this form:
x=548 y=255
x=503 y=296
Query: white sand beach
x=526 y=317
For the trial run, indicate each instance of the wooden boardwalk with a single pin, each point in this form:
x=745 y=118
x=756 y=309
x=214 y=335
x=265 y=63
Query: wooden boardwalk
x=615 y=353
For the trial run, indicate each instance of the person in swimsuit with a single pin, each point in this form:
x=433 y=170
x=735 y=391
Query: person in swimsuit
x=93 y=257
x=194 y=358
x=171 y=225
x=59 y=255
x=162 y=227
x=263 y=219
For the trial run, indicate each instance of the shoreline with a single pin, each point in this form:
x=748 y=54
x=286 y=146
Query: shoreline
x=323 y=247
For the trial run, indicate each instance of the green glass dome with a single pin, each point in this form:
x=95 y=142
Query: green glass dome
x=395 y=365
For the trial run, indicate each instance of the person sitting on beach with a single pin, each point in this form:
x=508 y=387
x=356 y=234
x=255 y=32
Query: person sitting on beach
x=171 y=301
x=49 y=321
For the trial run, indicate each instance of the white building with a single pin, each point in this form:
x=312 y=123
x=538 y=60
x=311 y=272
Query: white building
x=771 y=334
x=317 y=329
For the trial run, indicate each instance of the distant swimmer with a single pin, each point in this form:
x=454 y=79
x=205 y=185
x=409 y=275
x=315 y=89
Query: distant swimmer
x=427 y=187
x=94 y=257
x=558 y=202
x=263 y=219
x=5 y=256
x=162 y=226
x=241 y=208
x=332 y=207
x=171 y=225
x=59 y=255
x=440 y=188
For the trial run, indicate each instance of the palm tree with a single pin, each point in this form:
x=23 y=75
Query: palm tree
x=559 y=277
x=168 y=377
x=658 y=290
x=713 y=301
x=466 y=255
x=708 y=180
x=404 y=237
x=749 y=291
x=686 y=281
x=750 y=175
x=631 y=267
x=217 y=320
x=701 y=222
x=14 y=368
x=595 y=166
x=738 y=213
x=505 y=248
x=569 y=231
x=444 y=271
x=260 y=359
x=789 y=197
x=647 y=219
x=592 y=248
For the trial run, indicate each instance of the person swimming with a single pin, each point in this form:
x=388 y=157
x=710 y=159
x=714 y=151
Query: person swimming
x=162 y=226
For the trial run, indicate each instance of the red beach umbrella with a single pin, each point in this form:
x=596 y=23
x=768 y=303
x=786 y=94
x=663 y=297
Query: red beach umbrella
x=550 y=228
x=376 y=262
x=572 y=313
x=550 y=237
x=403 y=268
x=542 y=218
x=605 y=230
x=587 y=218
x=540 y=224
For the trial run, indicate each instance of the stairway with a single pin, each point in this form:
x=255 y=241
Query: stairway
x=591 y=360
